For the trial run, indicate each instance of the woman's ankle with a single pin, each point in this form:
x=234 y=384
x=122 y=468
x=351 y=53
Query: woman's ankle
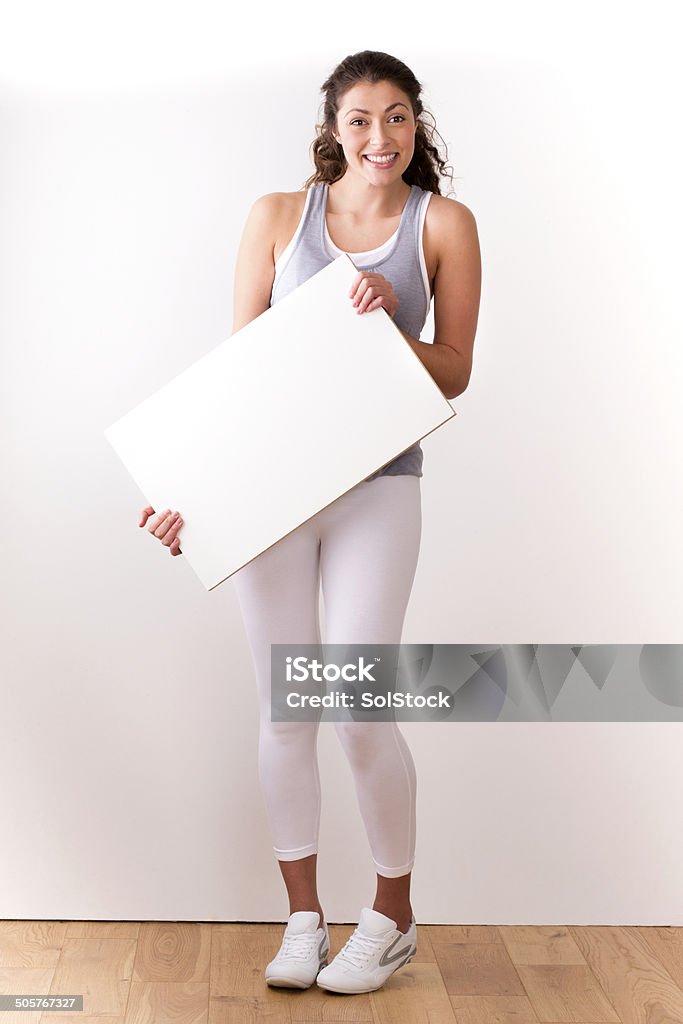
x=402 y=916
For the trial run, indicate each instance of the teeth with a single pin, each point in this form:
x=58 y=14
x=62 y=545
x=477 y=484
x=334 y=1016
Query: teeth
x=380 y=159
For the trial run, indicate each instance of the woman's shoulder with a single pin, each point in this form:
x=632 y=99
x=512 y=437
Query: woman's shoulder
x=279 y=210
x=449 y=227
x=277 y=202
x=448 y=220
x=275 y=217
x=449 y=212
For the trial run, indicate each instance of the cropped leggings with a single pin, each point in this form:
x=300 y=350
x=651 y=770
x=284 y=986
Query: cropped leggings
x=363 y=548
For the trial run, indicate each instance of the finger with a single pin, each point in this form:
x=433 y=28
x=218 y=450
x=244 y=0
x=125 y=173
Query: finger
x=158 y=520
x=369 y=296
x=170 y=534
x=160 y=524
x=366 y=282
x=357 y=302
x=355 y=283
x=145 y=514
x=165 y=524
x=174 y=548
x=170 y=531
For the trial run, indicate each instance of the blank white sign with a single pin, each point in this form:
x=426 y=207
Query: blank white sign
x=278 y=421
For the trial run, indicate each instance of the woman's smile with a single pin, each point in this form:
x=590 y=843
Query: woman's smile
x=381 y=160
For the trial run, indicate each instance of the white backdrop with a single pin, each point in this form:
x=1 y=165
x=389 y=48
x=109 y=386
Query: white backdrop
x=131 y=151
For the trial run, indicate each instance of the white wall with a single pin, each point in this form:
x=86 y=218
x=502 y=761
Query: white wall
x=131 y=152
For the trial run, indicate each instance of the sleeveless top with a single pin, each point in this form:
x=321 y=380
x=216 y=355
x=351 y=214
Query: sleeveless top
x=400 y=259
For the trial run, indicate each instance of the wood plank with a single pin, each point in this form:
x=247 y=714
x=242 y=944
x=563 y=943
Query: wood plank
x=168 y=1002
x=461 y=933
x=238 y=990
x=415 y=994
x=565 y=992
x=477 y=969
x=99 y=969
x=638 y=987
x=173 y=951
x=493 y=1010
x=31 y=943
x=540 y=944
x=666 y=945
x=103 y=929
x=27 y=981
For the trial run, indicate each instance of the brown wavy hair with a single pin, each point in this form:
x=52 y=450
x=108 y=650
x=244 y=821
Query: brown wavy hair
x=426 y=166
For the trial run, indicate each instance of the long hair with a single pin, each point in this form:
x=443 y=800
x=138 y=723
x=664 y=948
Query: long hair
x=426 y=166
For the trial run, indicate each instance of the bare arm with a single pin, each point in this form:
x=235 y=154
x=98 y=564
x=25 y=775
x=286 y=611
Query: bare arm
x=255 y=266
x=457 y=291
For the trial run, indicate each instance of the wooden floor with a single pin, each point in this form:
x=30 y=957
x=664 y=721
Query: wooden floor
x=213 y=974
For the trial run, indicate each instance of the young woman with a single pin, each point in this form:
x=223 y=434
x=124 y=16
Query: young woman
x=375 y=195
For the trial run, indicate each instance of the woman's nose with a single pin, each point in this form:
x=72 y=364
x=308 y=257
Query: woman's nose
x=378 y=139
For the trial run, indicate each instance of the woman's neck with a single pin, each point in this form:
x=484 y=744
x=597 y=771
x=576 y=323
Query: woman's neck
x=355 y=197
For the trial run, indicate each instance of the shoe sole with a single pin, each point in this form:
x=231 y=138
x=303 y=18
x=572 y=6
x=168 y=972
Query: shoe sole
x=361 y=991
x=282 y=981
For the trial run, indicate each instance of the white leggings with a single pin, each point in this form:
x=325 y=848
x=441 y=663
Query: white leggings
x=364 y=548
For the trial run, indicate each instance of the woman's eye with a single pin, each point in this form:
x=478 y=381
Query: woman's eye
x=357 y=119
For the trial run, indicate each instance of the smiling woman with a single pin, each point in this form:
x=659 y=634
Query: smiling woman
x=375 y=195
x=373 y=110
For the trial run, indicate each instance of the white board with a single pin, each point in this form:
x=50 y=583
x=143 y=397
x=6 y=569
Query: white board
x=278 y=421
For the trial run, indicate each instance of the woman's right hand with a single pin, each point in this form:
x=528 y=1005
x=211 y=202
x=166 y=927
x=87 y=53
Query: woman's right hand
x=164 y=526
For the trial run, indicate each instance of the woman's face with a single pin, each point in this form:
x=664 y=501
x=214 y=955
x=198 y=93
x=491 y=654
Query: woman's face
x=376 y=119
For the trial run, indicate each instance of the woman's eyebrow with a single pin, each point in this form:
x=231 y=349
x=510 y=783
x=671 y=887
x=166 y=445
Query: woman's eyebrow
x=361 y=111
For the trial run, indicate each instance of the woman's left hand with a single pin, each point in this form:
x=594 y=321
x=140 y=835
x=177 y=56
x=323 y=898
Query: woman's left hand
x=370 y=291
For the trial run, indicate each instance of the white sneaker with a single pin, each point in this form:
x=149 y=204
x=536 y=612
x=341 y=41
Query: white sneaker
x=375 y=950
x=303 y=952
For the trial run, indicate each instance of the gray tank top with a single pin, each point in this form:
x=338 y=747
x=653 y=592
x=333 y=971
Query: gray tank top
x=400 y=260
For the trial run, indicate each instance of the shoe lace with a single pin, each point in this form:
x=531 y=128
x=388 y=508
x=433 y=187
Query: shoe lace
x=359 y=948
x=298 y=947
